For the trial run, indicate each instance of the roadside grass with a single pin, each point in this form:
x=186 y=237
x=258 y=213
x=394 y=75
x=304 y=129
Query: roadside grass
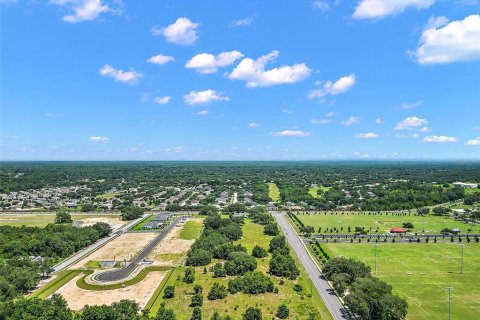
x=41 y=220
x=301 y=304
x=421 y=272
x=192 y=229
x=143 y=222
x=81 y=283
x=48 y=289
x=384 y=222
x=153 y=305
x=273 y=191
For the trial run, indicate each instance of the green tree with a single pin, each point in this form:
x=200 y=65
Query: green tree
x=131 y=213
x=217 y=292
x=169 y=292
x=63 y=217
x=271 y=229
x=252 y=314
x=282 y=312
x=165 y=314
x=189 y=275
x=239 y=263
x=196 y=314
x=197 y=300
x=259 y=252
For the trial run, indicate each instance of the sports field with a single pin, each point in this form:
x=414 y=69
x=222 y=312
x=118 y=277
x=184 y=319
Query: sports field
x=41 y=220
x=384 y=222
x=273 y=191
x=421 y=272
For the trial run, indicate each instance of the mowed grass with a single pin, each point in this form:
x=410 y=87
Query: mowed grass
x=41 y=220
x=301 y=305
x=48 y=289
x=421 y=272
x=108 y=196
x=384 y=222
x=192 y=229
x=273 y=191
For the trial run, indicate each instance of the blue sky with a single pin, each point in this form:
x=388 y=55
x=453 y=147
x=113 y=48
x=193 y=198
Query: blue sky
x=240 y=80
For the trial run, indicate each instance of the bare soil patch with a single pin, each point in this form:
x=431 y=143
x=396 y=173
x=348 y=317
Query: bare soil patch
x=141 y=292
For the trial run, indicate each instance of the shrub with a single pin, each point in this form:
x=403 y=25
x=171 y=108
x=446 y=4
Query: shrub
x=218 y=291
x=169 y=292
x=282 y=312
x=259 y=252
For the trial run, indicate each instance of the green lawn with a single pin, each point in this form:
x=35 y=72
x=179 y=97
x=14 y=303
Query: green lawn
x=300 y=303
x=41 y=220
x=313 y=191
x=192 y=229
x=55 y=284
x=156 y=300
x=432 y=224
x=421 y=272
x=273 y=191
x=108 y=195
x=143 y=222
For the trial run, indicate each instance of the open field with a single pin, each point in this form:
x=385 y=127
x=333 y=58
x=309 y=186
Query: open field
x=300 y=304
x=421 y=272
x=108 y=195
x=126 y=246
x=61 y=279
x=384 y=222
x=172 y=250
x=41 y=220
x=153 y=305
x=313 y=191
x=273 y=191
x=192 y=229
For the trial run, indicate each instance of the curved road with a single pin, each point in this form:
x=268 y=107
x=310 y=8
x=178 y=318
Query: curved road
x=120 y=274
x=337 y=310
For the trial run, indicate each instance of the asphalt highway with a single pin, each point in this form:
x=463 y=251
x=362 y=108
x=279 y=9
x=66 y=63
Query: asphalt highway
x=337 y=310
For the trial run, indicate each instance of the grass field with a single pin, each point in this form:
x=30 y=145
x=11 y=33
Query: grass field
x=156 y=300
x=55 y=284
x=300 y=303
x=108 y=195
x=192 y=229
x=431 y=224
x=41 y=220
x=313 y=191
x=421 y=272
x=143 y=222
x=273 y=191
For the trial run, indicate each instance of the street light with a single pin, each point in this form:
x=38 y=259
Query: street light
x=449 y=289
x=461 y=268
x=376 y=246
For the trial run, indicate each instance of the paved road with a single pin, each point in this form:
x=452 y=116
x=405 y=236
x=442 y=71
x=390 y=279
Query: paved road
x=120 y=274
x=334 y=305
x=82 y=253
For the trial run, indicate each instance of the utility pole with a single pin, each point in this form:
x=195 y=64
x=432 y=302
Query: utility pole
x=461 y=268
x=449 y=289
x=376 y=246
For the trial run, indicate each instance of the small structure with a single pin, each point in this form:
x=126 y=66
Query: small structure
x=455 y=231
x=107 y=264
x=398 y=230
x=158 y=220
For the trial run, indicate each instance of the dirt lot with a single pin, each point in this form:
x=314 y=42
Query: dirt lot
x=114 y=222
x=125 y=246
x=171 y=250
x=141 y=292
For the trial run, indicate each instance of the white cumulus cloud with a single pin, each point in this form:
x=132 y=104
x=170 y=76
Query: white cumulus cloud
x=183 y=31
x=162 y=100
x=439 y=139
x=333 y=88
x=254 y=74
x=208 y=63
x=291 y=133
x=203 y=97
x=253 y=125
x=408 y=106
x=99 y=139
x=445 y=42
x=242 y=22
x=321 y=121
x=82 y=10
x=351 y=121
x=377 y=9
x=474 y=142
x=202 y=113
x=160 y=59
x=368 y=135
x=129 y=77
x=411 y=123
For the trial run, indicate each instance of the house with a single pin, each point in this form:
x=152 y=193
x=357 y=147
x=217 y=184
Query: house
x=398 y=230
x=465 y=185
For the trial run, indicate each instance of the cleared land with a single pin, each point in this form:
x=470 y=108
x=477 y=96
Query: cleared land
x=301 y=305
x=313 y=191
x=421 y=272
x=192 y=229
x=273 y=191
x=172 y=249
x=41 y=220
x=384 y=222
x=126 y=246
x=141 y=292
